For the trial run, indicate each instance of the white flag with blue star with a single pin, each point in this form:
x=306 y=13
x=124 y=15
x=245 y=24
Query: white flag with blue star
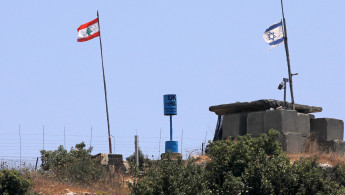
x=274 y=34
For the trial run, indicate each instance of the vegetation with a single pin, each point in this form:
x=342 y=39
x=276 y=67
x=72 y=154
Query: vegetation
x=13 y=182
x=245 y=165
x=75 y=166
x=143 y=160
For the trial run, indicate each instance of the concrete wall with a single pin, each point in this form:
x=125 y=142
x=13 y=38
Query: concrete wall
x=295 y=128
x=234 y=125
x=327 y=129
x=255 y=123
x=303 y=124
x=294 y=142
x=283 y=121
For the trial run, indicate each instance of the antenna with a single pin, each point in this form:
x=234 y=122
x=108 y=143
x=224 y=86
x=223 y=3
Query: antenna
x=181 y=140
x=160 y=137
x=20 y=148
x=91 y=137
x=64 y=136
x=43 y=137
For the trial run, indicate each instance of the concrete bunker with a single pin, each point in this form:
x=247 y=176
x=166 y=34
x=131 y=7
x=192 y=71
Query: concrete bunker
x=296 y=127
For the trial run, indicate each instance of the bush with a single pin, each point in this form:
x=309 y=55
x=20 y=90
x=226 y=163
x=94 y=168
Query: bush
x=251 y=165
x=12 y=182
x=75 y=166
x=170 y=177
x=245 y=165
x=143 y=159
x=314 y=179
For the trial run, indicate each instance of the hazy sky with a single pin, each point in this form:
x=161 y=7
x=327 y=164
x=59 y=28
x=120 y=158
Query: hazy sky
x=206 y=52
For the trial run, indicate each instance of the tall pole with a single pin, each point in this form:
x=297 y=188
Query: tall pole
x=288 y=58
x=105 y=86
x=136 y=150
x=43 y=137
x=160 y=137
x=170 y=128
x=284 y=92
x=91 y=138
x=202 y=148
x=20 y=148
x=64 y=137
x=181 y=140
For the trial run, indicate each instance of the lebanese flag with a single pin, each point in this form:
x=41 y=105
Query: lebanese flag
x=88 y=31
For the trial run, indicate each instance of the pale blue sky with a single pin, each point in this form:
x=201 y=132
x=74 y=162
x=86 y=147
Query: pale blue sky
x=206 y=52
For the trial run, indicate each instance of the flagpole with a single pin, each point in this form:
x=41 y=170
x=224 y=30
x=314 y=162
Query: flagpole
x=288 y=58
x=105 y=86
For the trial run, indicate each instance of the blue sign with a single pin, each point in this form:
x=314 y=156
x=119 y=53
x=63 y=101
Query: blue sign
x=170 y=104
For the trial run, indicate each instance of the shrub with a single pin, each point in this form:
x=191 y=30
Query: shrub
x=143 y=159
x=314 y=179
x=251 y=165
x=244 y=165
x=170 y=177
x=75 y=166
x=12 y=182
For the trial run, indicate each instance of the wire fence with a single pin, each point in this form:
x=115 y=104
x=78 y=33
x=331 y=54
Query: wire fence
x=18 y=148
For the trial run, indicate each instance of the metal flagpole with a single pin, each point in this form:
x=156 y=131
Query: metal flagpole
x=288 y=58
x=105 y=87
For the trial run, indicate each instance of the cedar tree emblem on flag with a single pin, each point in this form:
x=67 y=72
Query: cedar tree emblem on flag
x=88 y=31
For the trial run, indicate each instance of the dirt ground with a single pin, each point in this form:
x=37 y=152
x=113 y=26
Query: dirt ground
x=42 y=185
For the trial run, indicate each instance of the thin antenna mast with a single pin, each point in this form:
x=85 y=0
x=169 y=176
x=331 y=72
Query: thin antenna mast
x=181 y=140
x=20 y=148
x=43 y=137
x=64 y=136
x=288 y=58
x=160 y=137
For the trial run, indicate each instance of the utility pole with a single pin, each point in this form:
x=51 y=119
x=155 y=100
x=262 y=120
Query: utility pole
x=64 y=137
x=91 y=137
x=202 y=148
x=181 y=141
x=160 y=137
x=20 y=148
x=136 y=150
x=43 y=137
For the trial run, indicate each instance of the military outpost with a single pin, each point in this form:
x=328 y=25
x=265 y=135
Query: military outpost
x=297 y=127
x=295 y=122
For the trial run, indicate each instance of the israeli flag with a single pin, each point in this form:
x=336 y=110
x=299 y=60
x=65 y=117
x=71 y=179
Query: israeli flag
x=274 y=34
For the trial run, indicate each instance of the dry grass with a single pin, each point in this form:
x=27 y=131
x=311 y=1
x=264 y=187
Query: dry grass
x=312 y=149
x=201 y=160
x=43 y=184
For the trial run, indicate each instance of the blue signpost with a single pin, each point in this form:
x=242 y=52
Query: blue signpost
x=170 y=109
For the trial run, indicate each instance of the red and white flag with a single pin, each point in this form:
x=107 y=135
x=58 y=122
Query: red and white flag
x=88 y=31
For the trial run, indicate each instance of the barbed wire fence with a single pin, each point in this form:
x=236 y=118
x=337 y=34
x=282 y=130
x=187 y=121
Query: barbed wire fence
x=18 y=148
